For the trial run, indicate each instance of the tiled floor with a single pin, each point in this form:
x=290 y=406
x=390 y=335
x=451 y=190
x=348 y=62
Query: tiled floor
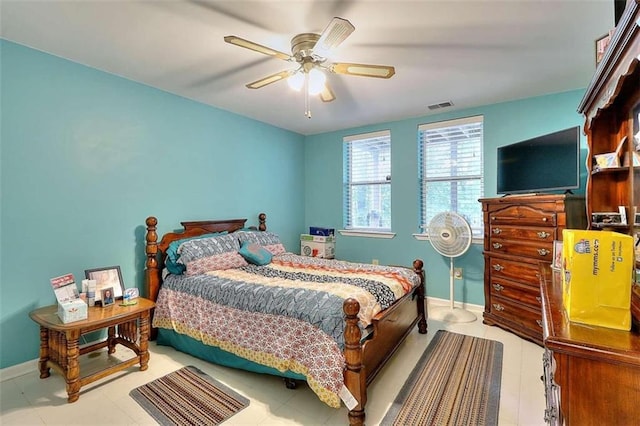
x=28 y=400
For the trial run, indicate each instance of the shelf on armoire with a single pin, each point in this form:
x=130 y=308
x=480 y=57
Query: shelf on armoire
x=601 y=226
x=613 y=170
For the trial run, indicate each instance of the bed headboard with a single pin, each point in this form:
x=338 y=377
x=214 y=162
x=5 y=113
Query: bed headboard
x=155 y=263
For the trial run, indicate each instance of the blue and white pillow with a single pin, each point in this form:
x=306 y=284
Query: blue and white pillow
x=255 y=253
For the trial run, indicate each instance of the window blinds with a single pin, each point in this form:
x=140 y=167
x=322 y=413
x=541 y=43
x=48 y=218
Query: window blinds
x=367 y=181
x=451 y=170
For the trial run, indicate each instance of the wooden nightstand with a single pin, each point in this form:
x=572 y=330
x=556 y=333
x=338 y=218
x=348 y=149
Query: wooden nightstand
x=59 y=347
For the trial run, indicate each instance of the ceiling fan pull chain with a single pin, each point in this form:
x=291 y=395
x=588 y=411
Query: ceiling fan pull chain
x=307 y=107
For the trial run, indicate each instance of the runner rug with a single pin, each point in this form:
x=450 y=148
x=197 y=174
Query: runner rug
x=188 y=397
x=456 y=382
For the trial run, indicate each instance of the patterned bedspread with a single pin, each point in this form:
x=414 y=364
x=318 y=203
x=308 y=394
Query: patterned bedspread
x=285 y=315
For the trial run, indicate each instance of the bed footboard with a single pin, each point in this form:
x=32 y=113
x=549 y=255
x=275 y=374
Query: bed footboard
x=390 y=328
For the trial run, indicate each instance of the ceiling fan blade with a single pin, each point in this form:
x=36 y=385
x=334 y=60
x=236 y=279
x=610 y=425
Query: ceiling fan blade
x=364 y=70
x=258 y=48
x=271 y=79
x=334 y=34
x=327 y=94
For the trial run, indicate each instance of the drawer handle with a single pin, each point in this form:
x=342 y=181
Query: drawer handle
x=498 y=307
x=544 y=219
x=498 y=267
x=539 y=322
x=497 y=245
x=498 y=287
x=543 y=252
x=497 y=230
x=539 y=299
x=543 y=234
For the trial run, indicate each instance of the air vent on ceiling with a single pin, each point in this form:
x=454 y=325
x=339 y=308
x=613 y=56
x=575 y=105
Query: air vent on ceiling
x=446 y=104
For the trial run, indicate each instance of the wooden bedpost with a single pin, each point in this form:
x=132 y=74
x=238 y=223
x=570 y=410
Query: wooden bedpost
x=354 y=376
x=422 y=312
x=262 y=219
x=152 y=273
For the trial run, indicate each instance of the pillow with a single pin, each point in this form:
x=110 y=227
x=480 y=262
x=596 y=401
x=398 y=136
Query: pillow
x=216 y=262
x=205 y=247
x=210 y=254
x=171 y=261
x=255 y=253
x=266 y=239
x=275 y=249
x=263 y=238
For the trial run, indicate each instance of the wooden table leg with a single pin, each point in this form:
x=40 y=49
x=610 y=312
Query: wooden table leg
x=144 y=340
x=44 y=353
x=72 y=373
x=111 y=340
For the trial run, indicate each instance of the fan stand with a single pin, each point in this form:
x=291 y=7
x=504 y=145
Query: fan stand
x=451 y=314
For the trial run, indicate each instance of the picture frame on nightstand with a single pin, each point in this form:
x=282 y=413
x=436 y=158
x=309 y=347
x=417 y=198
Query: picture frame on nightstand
x=106 y=296
x=106 y=277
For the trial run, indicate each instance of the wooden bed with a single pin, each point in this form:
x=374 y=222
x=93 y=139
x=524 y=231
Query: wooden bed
x=363 y=359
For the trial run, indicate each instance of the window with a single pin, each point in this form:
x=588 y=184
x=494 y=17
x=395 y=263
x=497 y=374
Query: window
x=451 y=170
x=367 y=181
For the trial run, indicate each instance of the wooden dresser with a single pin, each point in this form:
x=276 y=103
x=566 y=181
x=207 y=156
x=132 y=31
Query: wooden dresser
x=591 y=374
x=518 y=234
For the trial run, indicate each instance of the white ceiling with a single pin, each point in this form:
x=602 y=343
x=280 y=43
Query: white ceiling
x=471 y=52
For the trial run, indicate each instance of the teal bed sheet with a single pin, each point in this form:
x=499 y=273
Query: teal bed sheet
x=190 y=346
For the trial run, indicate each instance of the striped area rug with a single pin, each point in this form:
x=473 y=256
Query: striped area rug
x=188 y=397
x=456 y=382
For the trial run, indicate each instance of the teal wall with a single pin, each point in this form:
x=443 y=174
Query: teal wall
x=86 y=156
x=504 y=123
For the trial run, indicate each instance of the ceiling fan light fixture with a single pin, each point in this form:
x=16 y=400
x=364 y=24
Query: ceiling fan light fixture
x=310 y=51
x=317 y=80
x=296 y=81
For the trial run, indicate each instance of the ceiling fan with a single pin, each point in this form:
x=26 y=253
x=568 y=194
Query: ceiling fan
x=310 y=52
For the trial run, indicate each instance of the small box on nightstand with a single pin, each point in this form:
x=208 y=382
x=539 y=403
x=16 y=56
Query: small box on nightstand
x=72 y=310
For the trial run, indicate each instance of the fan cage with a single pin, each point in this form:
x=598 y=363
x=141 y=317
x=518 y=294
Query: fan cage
x=450 y=234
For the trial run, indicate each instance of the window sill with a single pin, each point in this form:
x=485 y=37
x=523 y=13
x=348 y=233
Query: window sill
x=366 y=234
x=425 y=237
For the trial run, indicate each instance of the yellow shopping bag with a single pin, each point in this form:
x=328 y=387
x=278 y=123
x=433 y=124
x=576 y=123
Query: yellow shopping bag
x=597 y=276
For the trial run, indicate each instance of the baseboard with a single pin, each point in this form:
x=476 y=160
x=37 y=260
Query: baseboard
x=445 y=302
x=18 y=370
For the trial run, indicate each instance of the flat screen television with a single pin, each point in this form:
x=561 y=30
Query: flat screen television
x=546 y=163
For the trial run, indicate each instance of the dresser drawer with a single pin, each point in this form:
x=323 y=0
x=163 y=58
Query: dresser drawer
x=537 y=251
x=518 y=313
x=523 y=215
x=521 y=292
x=514 y=270
x=537 y=234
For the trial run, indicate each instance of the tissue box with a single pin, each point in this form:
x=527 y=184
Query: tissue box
x=326 y=232
x=597 y=277
x=72 y=310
